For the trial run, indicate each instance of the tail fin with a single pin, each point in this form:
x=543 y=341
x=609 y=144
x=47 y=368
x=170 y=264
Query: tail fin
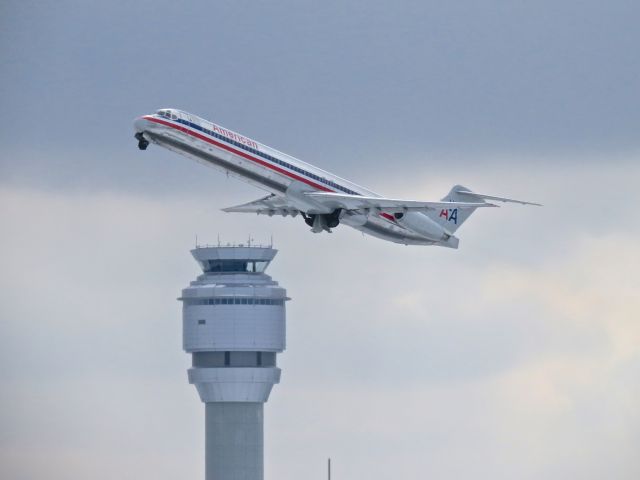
x=452 y=218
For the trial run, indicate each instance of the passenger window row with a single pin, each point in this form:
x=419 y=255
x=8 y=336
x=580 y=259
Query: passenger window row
x=271 y=158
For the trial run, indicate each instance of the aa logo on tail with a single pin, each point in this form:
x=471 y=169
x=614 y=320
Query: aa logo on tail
x=450 y=214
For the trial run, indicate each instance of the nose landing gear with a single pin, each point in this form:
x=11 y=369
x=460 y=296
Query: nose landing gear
x=143 y=143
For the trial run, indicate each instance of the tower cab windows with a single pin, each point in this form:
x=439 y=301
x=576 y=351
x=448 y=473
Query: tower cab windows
x=233 y=266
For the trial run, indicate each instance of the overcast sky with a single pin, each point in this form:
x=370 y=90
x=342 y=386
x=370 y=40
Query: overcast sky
x=515 y=356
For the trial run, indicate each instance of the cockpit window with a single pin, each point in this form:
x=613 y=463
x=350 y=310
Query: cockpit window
x=168 y=114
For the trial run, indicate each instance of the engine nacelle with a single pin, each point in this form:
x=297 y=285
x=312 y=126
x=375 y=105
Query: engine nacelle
x=423 y=225
x=353 y=219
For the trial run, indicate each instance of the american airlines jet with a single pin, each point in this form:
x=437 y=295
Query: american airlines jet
x=322 y=199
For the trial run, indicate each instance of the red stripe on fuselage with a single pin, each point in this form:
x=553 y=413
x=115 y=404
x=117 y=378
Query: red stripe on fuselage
x=235 y=151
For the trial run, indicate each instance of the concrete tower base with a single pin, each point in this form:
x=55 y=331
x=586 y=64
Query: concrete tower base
x=234 y=441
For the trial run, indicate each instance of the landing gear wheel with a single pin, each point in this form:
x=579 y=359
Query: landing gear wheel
x=143 y=143
x=333 y=219
x=308 y=219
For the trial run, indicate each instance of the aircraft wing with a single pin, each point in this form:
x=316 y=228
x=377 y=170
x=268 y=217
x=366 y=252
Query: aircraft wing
x=357 y=202
x=269 y=205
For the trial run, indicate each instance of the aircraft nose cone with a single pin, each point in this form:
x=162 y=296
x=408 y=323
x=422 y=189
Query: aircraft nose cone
x=140 y=124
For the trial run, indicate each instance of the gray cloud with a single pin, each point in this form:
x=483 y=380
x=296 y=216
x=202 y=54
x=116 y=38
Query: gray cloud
x=516 y=353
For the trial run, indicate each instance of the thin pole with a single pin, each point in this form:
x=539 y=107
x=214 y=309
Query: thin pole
x=329 y=468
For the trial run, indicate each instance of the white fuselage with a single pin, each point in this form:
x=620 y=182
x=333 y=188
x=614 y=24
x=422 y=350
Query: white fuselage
x=274 y=172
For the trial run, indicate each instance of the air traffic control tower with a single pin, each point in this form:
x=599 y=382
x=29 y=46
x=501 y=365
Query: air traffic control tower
x=233 y=327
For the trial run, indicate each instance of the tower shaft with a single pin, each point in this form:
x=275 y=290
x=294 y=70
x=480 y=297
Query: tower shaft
x=233 y=321
x=234 y=441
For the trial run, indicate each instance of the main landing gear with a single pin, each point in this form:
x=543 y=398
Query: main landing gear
x=143 y=143
x=322 y=222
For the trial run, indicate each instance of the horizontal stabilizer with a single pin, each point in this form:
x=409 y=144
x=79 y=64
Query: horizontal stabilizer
x=389 y=205
x=498 y=199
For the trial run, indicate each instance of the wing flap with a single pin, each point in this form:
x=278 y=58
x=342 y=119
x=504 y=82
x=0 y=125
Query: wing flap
x=389 y=205
x=269 y=205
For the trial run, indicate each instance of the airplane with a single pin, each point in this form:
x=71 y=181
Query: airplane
x=322 y=199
